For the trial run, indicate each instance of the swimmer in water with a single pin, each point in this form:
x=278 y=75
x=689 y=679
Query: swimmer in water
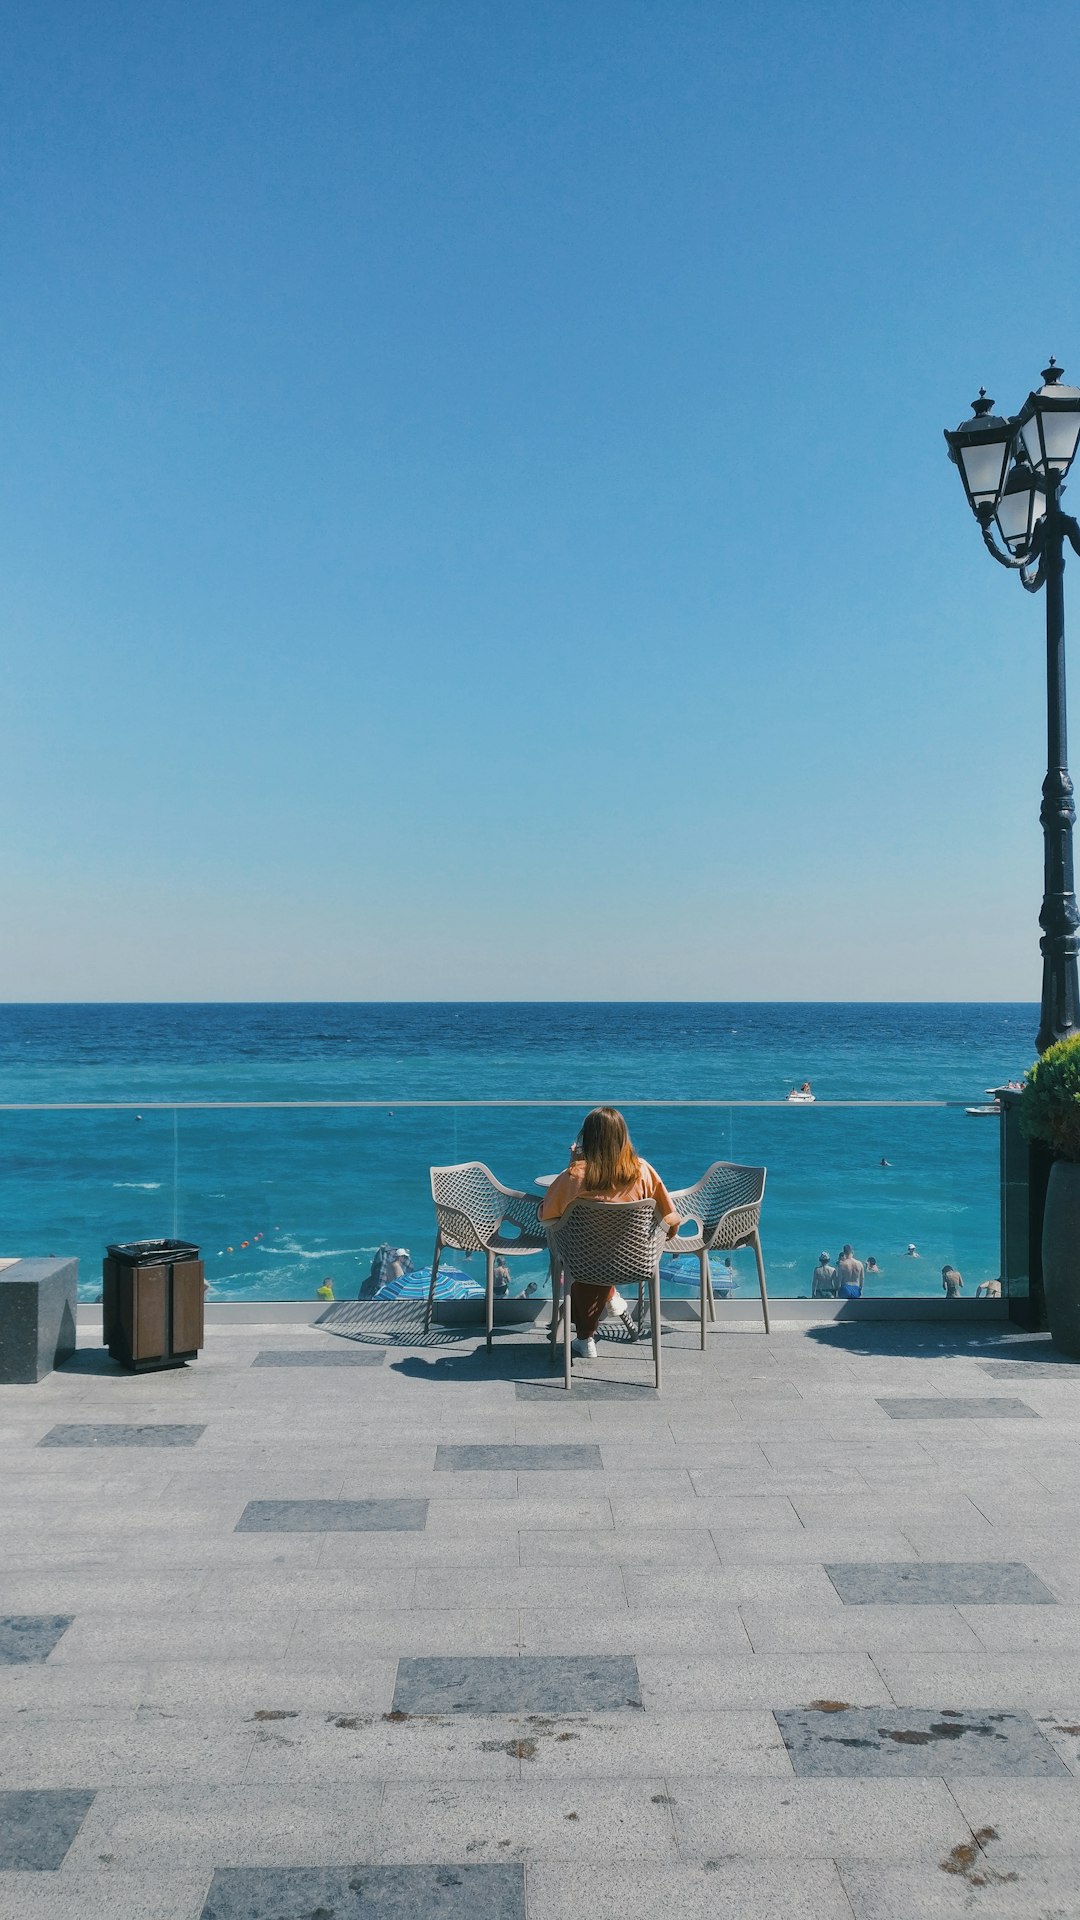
x=912 y=1252
x=884 y=1162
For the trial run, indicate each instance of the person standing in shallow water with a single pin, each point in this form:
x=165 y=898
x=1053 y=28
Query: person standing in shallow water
x=849 y=1273
x=605 y=1167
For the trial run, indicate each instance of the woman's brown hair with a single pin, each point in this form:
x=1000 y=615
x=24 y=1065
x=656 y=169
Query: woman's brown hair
x=610 y=1160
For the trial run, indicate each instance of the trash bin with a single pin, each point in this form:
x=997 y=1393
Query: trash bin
x=152 y=1303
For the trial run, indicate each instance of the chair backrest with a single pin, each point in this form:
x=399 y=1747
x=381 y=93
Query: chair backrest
x=608 y=1243
x=725 y=1202
x=470 y=1204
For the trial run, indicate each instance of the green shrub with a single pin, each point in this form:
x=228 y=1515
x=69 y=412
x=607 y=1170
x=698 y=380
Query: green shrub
x=1050 y=1108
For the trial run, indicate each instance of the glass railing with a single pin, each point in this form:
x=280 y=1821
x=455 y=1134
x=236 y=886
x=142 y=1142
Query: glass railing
x=285 y=1198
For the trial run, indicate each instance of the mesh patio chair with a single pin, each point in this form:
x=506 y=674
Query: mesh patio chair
x=606 y=1243
x=724 y=1207
x=472 y=1212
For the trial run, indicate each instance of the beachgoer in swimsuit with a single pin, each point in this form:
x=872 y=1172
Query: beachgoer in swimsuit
x=824 y=1283
x=849 y=1273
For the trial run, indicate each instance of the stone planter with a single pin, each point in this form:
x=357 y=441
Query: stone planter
x=1061 y=1255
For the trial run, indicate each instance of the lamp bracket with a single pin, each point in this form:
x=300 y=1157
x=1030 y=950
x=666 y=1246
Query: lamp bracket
x=985 y=516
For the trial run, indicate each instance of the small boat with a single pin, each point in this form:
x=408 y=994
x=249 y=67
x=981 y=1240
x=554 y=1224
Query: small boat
x=980 y=1110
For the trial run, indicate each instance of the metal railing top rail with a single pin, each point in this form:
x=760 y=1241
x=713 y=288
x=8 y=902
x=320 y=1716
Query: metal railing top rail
x=390 y=1104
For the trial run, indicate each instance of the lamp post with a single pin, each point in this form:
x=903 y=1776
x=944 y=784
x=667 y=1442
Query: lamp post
x=1013 y=470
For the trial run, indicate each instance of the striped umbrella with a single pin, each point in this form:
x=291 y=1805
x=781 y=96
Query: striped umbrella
x=452 y=1284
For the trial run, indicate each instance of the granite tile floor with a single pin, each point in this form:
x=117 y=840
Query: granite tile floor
x=387 y=1627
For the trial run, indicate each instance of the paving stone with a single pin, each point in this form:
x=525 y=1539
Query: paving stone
x=1009 y=1630
x=800 y=1820
x=532 y=1683
x=972 y=1879
x=941 y=1408
x=347 y=1683
x=333 y=1516
x=87 y=1893
x=123 y=1746
x=597 y=1589
x=518 y=1459
x=30 y=1636
x=585 y=1389
x=639 y=1547
x=114 y=1435
x=480 y=1892
x=724 y=1889
x=787 y=1626
x=558 y=1820
x=312 y=1747
x=1031 y=1369
x=1027 y=1816
x=38 y=1827
x=1038 y=1681
x=930 y=1583
x=170 y=1829
x=688 y=1683
x=319 y=1357
x=868 y=1742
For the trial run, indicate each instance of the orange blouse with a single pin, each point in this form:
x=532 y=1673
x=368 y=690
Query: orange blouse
x=570 y=1186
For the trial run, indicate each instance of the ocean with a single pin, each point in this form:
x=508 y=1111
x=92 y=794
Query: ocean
x=281 y=1197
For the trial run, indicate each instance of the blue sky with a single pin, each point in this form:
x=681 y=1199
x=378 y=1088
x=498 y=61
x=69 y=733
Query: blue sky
x=474 y=520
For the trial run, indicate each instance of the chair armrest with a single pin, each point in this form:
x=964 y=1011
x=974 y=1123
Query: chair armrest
x=686 y=1205
x=735 y=1225
x=523 y=1209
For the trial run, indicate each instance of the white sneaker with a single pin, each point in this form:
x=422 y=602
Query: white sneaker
x=584 y=1349
x=620 y=1311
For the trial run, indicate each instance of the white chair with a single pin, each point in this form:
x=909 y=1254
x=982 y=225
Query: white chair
x=606 y=1243
x=724 y=1208
x=472 y=1209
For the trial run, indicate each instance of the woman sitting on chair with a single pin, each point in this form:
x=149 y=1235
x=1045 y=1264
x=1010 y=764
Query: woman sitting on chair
x=604 y=1166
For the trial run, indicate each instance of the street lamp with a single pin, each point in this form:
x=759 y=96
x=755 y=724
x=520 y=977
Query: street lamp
x=1013 y=471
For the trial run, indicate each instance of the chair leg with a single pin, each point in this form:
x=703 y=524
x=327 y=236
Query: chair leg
x=712 y=1296
x=761 y=1278
x=556 y=1310
x=703 y=1261
x=640 y=1305
x=567 y=1334
x=434 y=1277
x=654 y=1315
x=490 y=1295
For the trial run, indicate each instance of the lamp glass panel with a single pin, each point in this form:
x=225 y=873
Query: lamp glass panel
x=1029 y=433
x=984 y=467
x=1061 y=432
x=1014 y=515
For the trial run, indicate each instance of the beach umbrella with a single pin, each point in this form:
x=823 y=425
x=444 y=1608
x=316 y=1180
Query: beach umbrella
x=681 y=1269
x=452 y=1284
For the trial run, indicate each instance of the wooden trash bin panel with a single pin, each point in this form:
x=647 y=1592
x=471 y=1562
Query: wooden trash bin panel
x=152 y=1307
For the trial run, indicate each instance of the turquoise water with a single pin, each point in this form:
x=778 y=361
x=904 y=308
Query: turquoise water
x=312 y=1191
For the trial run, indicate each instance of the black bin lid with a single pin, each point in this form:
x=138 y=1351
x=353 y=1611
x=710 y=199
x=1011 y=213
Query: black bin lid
x=154 y=1253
